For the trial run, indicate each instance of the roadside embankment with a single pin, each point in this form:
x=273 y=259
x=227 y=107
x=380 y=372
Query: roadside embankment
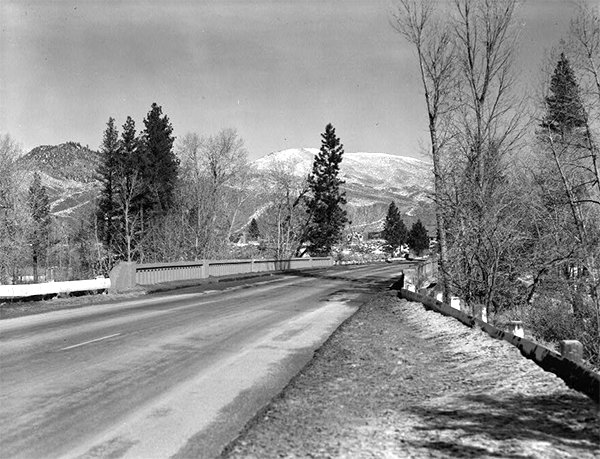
x=397 y=380
x=573 y=374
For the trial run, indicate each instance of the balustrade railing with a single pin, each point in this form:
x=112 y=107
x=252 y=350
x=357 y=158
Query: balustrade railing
x=127 y=275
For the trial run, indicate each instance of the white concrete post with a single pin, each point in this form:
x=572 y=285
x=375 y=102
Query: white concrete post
x=455 y=302
x=480 y=312
x=572 y=349
x=516 y=328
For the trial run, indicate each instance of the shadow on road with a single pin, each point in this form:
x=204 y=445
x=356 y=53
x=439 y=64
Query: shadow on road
x=569 y=422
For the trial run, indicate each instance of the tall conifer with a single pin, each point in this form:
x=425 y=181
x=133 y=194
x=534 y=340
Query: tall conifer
x=564 y=109
x=253 y=231
x=158 y=162
x=418 y=239
x=327 y=216
x=109 y=151
x=394 y=229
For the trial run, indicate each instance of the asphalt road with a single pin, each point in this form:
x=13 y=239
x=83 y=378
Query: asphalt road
x=166 y=375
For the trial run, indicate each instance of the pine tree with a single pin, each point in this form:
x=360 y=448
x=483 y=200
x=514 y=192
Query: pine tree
x=253 y=231
x=394 y=229
x=158 y=163
x=564 y=109
x=129 y=147
x=327 y=217
x=418 y=239
x=39 y=205
x=109 y=151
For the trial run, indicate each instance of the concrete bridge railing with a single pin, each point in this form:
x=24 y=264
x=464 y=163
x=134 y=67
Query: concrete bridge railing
x=125 y=276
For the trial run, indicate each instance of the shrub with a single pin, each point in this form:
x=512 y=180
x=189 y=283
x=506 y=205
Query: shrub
x=552 y=320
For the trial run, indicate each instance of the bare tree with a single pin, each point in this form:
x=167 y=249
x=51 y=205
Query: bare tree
x=285 y=215
x=465 y=62
x=210 y=167
x=236 y=194
x=129 y=187
x=584 y=41
x=11 y=175
x=192 y=189
x=417 y=23
x=14 y=219
x=488 y=126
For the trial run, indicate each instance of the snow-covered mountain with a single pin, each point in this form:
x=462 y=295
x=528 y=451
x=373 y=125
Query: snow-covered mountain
x=371 y=178
x=68 y=171
x=372 y=182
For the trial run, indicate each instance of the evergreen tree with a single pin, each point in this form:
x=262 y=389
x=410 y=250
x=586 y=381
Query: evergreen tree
x=129 y=148
x=327 y=217
x=418 y=239
x=253 y=231
x=564 y=109
x=394 y=229
x=109 y=151
x=39 y=205
x=158 y=163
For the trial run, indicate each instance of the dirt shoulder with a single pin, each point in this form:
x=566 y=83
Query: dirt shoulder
x=399 y=381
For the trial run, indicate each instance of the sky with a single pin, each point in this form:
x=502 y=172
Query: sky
x=276 y=70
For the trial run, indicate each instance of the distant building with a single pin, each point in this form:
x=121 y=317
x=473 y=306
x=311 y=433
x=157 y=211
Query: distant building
x=374 y=235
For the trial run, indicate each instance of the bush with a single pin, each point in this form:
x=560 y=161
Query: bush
x=552 y=320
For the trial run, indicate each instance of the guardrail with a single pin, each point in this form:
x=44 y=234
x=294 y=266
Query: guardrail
x=574 y=375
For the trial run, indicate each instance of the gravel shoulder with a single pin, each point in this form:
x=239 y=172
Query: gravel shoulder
x=398 y=381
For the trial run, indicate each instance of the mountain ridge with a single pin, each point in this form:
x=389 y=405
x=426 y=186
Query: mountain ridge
x=372 y=180
x=395 y=176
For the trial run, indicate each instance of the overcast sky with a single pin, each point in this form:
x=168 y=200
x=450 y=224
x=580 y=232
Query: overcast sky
x=278 y=71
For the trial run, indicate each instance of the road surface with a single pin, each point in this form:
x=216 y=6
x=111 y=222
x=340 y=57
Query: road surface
x=171 y=375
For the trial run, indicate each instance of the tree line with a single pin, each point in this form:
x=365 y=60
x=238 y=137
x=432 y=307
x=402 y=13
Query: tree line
x=166 y=199
x=517 y=182
x=161 y=204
